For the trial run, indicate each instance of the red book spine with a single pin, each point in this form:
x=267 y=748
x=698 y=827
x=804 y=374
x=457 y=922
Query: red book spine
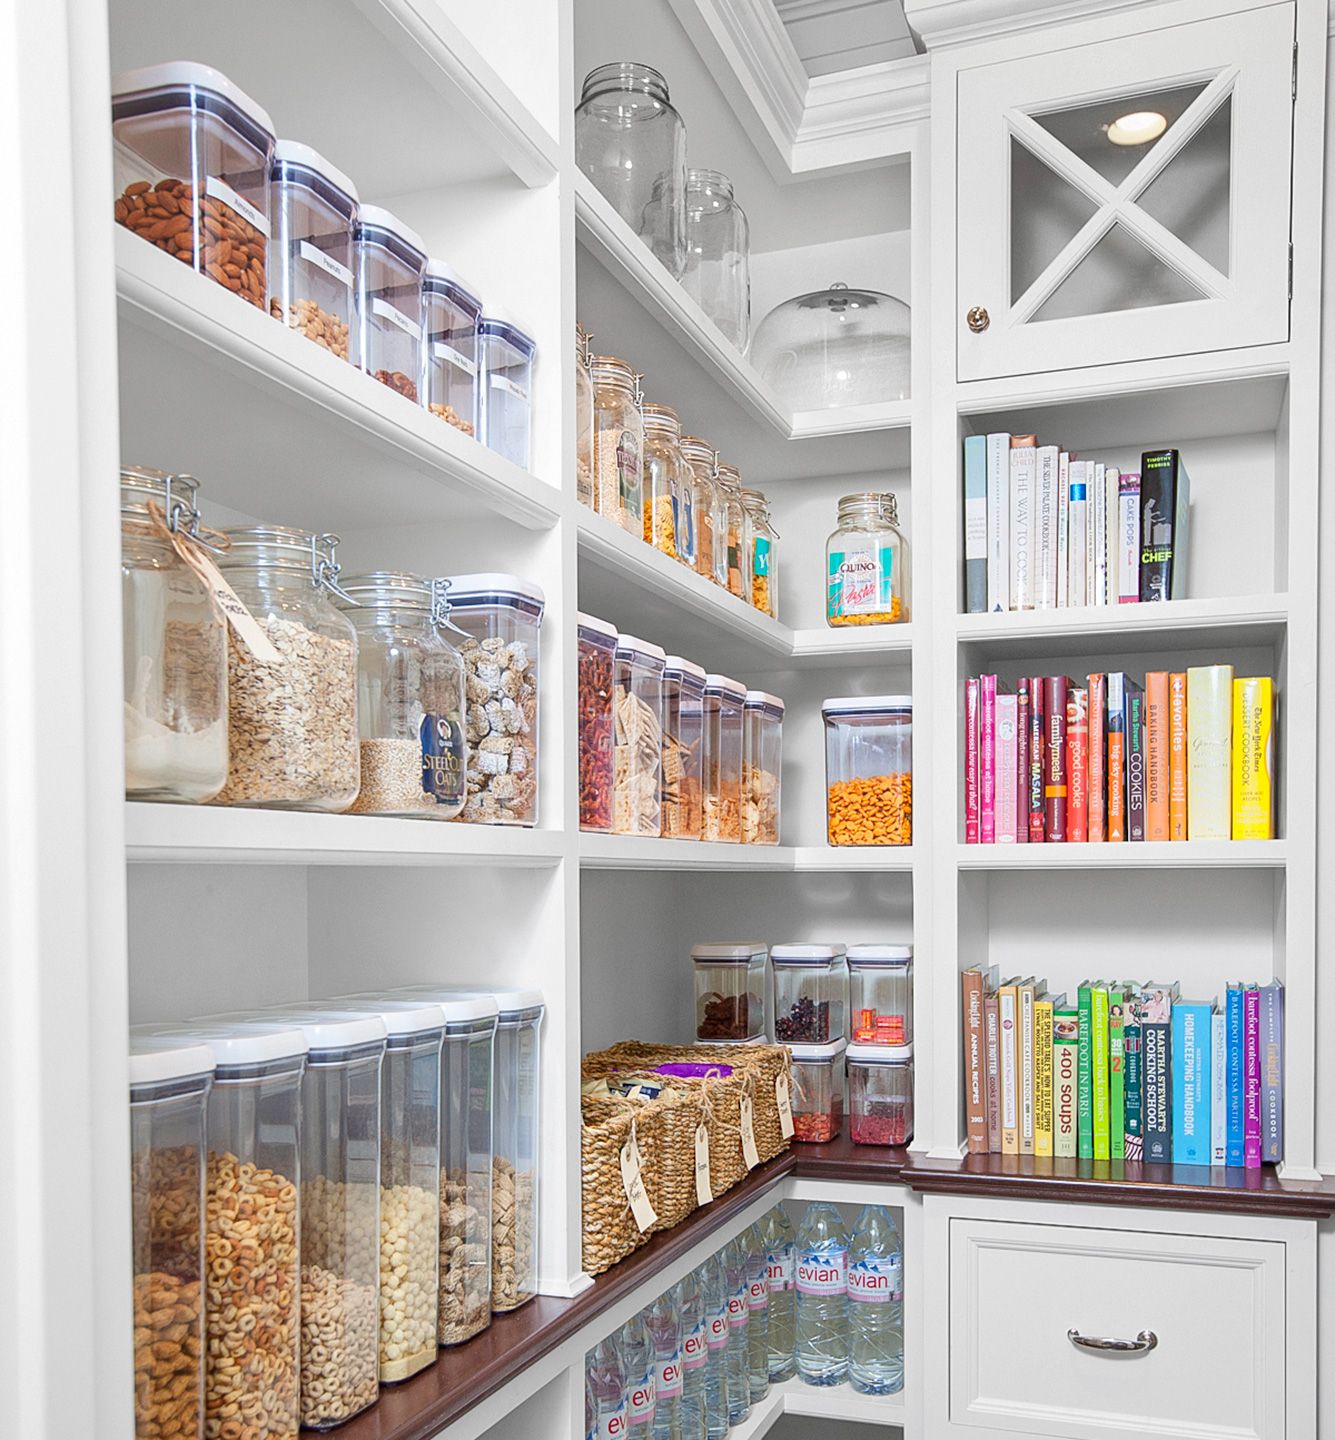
x=1055 y=691
x=1098 y=765
x=1077 y=766
x=971 y=762
x=1037 y=740
x=1023 y=707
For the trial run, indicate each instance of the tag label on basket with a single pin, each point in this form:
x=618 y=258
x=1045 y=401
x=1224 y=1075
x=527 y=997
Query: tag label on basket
x=247 y=629
x=631 y=1179
x=785 y=1104
x=749 y=1152
x=703 y=1194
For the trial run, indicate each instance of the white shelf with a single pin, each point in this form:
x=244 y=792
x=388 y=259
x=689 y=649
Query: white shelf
x=821 y=645
x=828 y=1402
x=851 y=420
x=1148 y=855
x=854 y=858
x=633 y=852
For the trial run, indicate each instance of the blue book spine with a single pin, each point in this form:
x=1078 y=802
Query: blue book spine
x=975 y=524
x=1272 y=1073
x=1191 y=1084
x=1156 y=1099
x=1233 y=1025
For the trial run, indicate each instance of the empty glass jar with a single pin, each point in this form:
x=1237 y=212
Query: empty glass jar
x=718 y=254
x=618 y=444
x=683 y=748
x=505 y=406
x=865 y=563
x=724 y=701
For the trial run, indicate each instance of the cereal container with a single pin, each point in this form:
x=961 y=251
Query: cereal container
x=699 y=456
x=192 y=154
x=724 y=702
x=169 y=1086
x=880 y=1094
x=314 y=207
x=732 y=567
x=881 y=994
x=174 y=646
x=683 y=749
x=869 y=769
x=292 y=689
x=450 y=349
x=388 y=262
x=502 y=617
x=810 y=993
x=618 y=444
x=729 y=991
x=818 y=1091
x=637 y=738
x=505 y=405
x=597 y=651
x=762 y=748
x=665 y=490
x=762 y=554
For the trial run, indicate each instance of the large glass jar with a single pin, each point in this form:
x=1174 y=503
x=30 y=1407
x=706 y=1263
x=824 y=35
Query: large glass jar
x=869 y=769
x=700 y=457
x=810 y=993
x=724 y=702
x=506 y=402
x=730 y=541
x=174 y=651
x=169 y=1086
x=291 y=712
x=880 y=981
x=410 y=698
x=762 y=774
x=450 y=347
x=638 y=738
x=388 y=261
x=729 y=991
x=667 y=520
x=718 y=254
x=864 y=564
x=584 y=491
x=762 y=554
x=632 y=144
x=683 y=749
x=191 y=162
x=314 y=207
x=618 y=444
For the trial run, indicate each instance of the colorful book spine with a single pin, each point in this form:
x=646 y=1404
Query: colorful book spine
x=1098 y=757
x=1024 y=475
x=971 y=791
x=1165 y=500
x=1272 y=1072
x=1077 y=766
x=1023 y=709
x=1219 y=1088
x=1128 y=540
x=1156 y=1017
x=1043 y=1007
x=1006 y=761
x=1156 y=755
x=1009 y=999
x=1251 y=1077
x=1027 y=993
x=1055 y=692
x=1177 y=755
x=1063 y=530
x=1235 y=1073
x=1047 y=510
x=1209 y=752
x=1037 y=752
x=987 y=751
x=1135 y=761
x=975 y=1061
x=1116 y=1074
x=1085 y=1075
x=992 y=1075
x=1116 y=786
x=998 y=523
x=1065 y=1080
x=1134 y=1068
x=1098 y=1059
x=1191 y=1083
x=1077 y=572
x=975 y=524
x=1253 y=758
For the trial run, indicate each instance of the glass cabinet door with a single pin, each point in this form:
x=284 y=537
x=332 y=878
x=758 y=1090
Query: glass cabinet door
x=1126 y=199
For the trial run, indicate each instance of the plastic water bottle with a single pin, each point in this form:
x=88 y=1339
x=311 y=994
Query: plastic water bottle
x=637 y=1354
x=715 y=1287
x=606 y=1377
x=822 y=1296
x=757 y=1307
x=781 y=1272
x=694 y=1357
x=739 y=1347
x=876 y=1304
x=590 y=1407
x=664 y=1325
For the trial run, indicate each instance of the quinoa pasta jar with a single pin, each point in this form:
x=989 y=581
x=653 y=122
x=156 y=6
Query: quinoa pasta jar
x=869 y=769
x=388 y=264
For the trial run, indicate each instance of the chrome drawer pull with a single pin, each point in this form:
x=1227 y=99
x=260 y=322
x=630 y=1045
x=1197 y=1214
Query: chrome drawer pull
x=1141 y=1345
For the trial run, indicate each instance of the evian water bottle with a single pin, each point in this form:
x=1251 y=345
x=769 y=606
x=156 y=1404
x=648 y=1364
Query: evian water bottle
x=739 y=1347
x=876 y=1304
x=715 y=1287
x=757 y=1309
x=781 y=1275
x=822 y=1296
x=664 y=1326
x=694 y=1356
x=637 y=1354
x=606 y=1377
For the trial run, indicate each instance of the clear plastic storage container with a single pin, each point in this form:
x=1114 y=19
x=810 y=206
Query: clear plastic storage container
x=505 y=405
x=818 y=1091
x=729 y=991
x=314 y=208
x=869 y=769
x=683 y=749
x=389 y=260
x=450 y=347
x=502 y=617
x=724 y=702
x=880 y=1094
x=191 y=161
x=880 y=981
x=762 y=757
x=597 y=658
x=169 y=1087
x=810 y=993
x=637 y=738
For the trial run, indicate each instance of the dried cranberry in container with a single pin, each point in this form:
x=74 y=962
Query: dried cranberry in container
x=818 y=1091
x=729 y=991
x=810 y=993
x=389 y=260
x=880 y=1094
x=880 y=979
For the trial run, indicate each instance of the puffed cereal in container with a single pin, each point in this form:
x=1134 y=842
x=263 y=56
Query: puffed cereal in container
x=169 y=1087
x=388 y=260
x=880 y=1094
x=729 y=991
x=450 y=348
x=597 y=651
x=724 y=702
x=869 y=769
x=881 y=994
x=810 y=993
x=637 y=754
x=683 y=749
x=505 y=405
x=314 y=207
x=762 y=753
x=502 y=617
x=191 y=160
x=818 y=1091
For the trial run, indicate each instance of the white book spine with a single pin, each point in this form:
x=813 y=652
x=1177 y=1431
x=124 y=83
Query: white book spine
x=1218 y=1089
x=1111 y=482
x=1078 y=526
x=1047 y=510
x=1006 y=1014
x=1098 y=554
x=1064 y=529
x=998 y=522
x=1022 y=471
x=1128 y=544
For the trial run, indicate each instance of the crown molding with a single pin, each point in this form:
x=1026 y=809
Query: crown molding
x=939 y=24
x=860 y=115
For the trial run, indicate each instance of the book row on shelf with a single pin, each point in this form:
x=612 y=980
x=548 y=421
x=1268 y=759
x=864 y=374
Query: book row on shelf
x=1044 y=530
x=1188 y=755
x=1128 y=1072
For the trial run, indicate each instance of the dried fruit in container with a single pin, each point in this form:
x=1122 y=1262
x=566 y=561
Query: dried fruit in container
x=729 y=990
x=818 y=1090
x=810 y=993
x=880 y=1094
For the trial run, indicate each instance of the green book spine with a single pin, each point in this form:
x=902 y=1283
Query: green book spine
x=1116 y=1076
x=1085 y=1076
x=1099 y=1065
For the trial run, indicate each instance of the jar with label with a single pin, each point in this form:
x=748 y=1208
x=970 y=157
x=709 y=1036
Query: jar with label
x=880 y=1094
x=449 y=349
x=700 y=458
x=724 y=702
x=506 y=401
x=864 y=561
x=683 y=749
x=388 y=262
x=762 y=554
x=174 y=645
x=597 y=652
x=730 y=544
x=637 y=738
x=618 y=445
x=810 y=993
x=869 y=769
x=291 y=677
x=410 y=698
x=583 y=422
x=818 y=1091
x=881 y=994
x=314 y=207
x=729 y=991
x=667 y=520
x=762 y=751
x=191 y=161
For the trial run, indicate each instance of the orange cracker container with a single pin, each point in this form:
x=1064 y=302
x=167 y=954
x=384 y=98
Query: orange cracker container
x=869 y=769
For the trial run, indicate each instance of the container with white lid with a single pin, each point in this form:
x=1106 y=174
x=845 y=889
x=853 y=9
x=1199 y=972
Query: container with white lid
x=880 y=1094
x=388 y=263
x=869 y=769
x=597 y=648
x=451 y=311
x=762 y=756
x=169 y=1086
x=637 y=803
x=810 y=993
x=880 y=981
x=192 y=153
x=818 y=1091
x=729 y=990
x=502 y=617
x=314 y=208
x=724 y=701
x=505 y=355
x=683 y=749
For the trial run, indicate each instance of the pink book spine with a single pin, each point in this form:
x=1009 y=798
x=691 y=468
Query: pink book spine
x=1007 y=778
x=1022 y=709
x=1037 y=814
x=987 y=741
x=971 y=795
x=1098 y=779
x=1251 y=1078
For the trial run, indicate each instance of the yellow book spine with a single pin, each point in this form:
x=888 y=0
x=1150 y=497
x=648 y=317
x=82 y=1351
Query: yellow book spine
x=1043 y=1077
x=1253 y=758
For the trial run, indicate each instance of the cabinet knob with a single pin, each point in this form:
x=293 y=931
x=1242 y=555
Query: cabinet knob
x=1141 y=1345
x=978 y=319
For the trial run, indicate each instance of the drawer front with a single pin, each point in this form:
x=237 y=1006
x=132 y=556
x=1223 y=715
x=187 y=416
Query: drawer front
x=1216 y=1307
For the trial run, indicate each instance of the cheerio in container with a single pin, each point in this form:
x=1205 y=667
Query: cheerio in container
x=869 y=769
x=388 y=260
x=450 y=347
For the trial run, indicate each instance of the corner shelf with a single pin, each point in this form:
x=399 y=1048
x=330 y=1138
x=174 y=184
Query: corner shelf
x=1145 y=855
x=637 y=852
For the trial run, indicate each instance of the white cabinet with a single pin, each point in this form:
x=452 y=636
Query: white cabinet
x=1125 y=198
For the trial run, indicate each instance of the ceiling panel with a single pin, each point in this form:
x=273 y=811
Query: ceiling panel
x=834 y=35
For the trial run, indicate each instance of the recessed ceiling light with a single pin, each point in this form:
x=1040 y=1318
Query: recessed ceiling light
x=1138 y=128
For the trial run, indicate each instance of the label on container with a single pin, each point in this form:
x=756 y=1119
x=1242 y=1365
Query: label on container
x=444 y=759
x=640 y=1206
x=760 y=553
x=397 y=318
x=628 y=473
x=313 y=255
x=737 y=1310
x=507 y=386
x=218 y=189
x=781 y=1268
x=718 y=1330
x=704 y=1193
x=749 y=1152
x=641 y=1399
x=667 y=1378
x=613 y=1426
x=441 y=351
x=784 y=1101
x=694 y=1350
x=822 y=1272
x=876 y=1279
x=861 y=581
x=975 y=528
x=757 y=1296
